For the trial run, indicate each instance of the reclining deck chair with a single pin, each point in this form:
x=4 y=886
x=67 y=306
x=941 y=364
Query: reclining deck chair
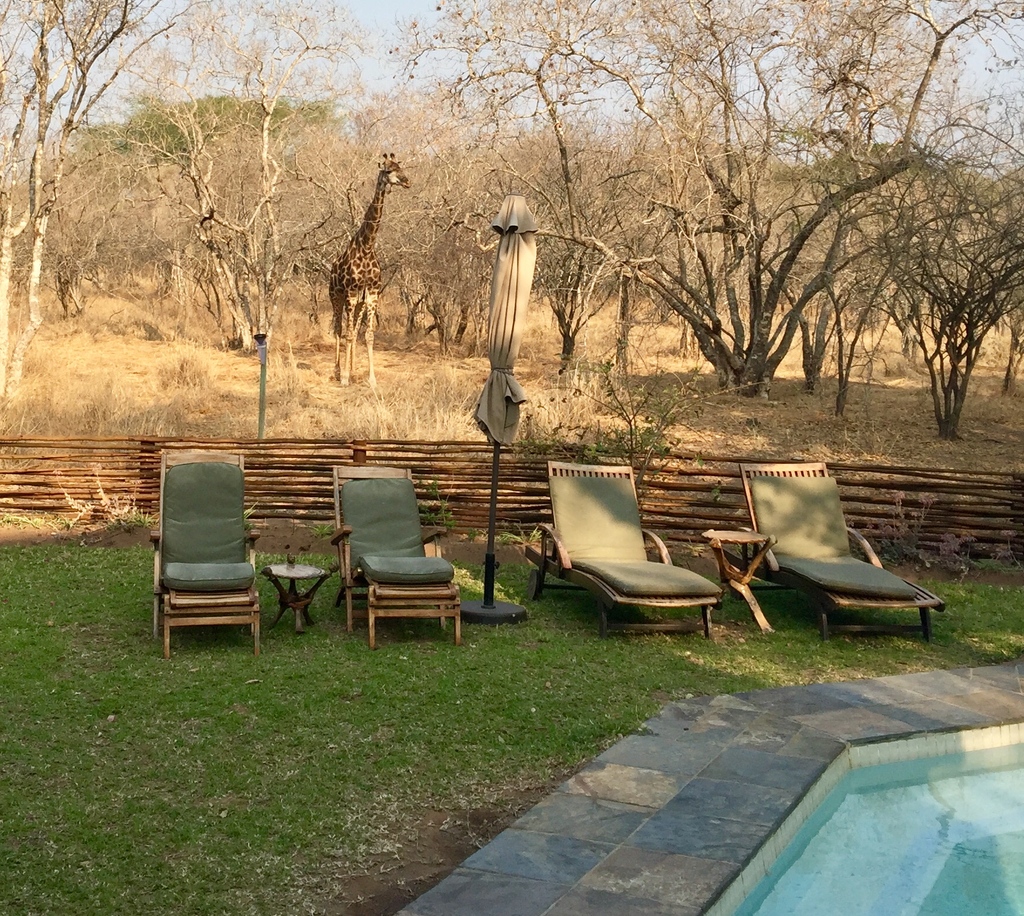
x=799 y=505
x=383 y=550
x=204 y=560
x=597 y=543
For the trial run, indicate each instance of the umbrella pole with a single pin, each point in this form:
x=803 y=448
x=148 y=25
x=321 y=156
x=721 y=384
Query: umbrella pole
x=489 y=610
x=490 y=564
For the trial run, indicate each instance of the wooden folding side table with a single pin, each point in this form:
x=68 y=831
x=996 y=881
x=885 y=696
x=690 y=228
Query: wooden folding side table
x=736 y=572
x=291 y=598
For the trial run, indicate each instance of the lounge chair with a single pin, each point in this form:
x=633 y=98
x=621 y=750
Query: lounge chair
x=383 y=550
x=597 y=543
x=798 y=504
x=204 y=560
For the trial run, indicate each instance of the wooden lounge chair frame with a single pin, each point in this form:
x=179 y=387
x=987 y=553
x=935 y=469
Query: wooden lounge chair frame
x=552 y=558
x=180 y=608
x=828 y=601
x=440 y=600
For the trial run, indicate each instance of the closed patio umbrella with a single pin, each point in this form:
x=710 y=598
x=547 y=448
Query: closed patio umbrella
x=497 y=411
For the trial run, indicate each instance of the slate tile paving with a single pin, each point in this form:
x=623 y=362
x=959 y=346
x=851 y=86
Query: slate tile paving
x=683 y=882
x=589 y=901
x=753 y=768
x=855 y=723
x=542 y=856
x=665 y=820
x=584 y=818
x=630 y=785
x=678 y=758
x=732 y=799
x=683 y=831
x=473 y=893
x=812 y=744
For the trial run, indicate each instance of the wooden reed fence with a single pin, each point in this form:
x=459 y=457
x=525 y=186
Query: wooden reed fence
x=95 y=480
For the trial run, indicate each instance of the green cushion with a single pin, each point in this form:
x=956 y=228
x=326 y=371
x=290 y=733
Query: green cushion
x=383 y=516
x=407 y=570
x=850 y=576
x=803 y=513
x=208 y=577
x=203 y=519
x=597 y=518
x=646 y=579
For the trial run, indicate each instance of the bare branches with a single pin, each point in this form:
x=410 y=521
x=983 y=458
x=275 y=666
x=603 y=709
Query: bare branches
x=764 y=126
x=59 y=59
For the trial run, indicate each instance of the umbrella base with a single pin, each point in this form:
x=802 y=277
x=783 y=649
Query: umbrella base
x=497 y=613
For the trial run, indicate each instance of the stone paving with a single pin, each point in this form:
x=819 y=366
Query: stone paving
x=663 y=821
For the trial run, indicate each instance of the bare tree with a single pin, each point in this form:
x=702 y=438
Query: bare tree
x=225 y=148
x=955 y=246
x=855 y=299
x=516 y=77
x=1015 y=327
x=443 y=249
x=87 y=242
x=563 y=180
x=764 y=126
x=58 y=59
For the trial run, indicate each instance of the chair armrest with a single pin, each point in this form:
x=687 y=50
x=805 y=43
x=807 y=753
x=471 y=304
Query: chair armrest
x=347 y=572
x=550 y=539
x=343 y=532
x=431 y=538
x=862 y=543
x=157 y=563
x=659 y=545
x=432 y=545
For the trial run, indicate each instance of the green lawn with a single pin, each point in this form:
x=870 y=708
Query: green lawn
x=217 y=782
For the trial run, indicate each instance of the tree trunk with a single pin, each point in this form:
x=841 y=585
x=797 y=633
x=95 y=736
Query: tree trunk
x=814 y=347
x=6 y=271
x=624 y=321
x=68 y=283
x=843 y=367
x=463 y=323
x=568 y=347
x=16 y=368
x=1013 y=361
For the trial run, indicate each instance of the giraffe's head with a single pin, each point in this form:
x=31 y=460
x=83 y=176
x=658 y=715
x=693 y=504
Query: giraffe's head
x=391 y=171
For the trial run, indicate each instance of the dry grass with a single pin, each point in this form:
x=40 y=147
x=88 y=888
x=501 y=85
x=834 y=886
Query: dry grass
x=149 y=367
x=188 y=370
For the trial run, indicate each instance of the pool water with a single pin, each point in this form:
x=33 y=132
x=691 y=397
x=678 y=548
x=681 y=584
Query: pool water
x=937 y=837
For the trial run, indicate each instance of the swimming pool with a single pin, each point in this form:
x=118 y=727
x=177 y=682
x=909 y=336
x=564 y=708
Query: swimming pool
x=933 y=836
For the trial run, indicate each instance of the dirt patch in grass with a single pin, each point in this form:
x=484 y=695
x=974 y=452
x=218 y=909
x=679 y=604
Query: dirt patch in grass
x=438 y=844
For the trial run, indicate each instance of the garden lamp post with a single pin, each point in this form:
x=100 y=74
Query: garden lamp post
x=261 y=352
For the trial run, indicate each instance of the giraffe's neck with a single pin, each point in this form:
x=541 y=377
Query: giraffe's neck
x=371 y=221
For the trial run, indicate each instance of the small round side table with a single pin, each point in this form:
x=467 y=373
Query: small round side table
x=292 y=598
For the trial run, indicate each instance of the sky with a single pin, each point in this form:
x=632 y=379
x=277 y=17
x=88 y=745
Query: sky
x=383 y=14
x=386 y=16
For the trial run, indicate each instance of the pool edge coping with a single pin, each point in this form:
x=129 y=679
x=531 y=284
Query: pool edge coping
x=761 y=742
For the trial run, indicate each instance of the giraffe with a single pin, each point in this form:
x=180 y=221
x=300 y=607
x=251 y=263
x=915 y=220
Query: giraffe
x=355 y=278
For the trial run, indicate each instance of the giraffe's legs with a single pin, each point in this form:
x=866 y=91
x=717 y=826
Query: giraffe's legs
x=350 y=359
x=341 y=317
x=354 y=319
x=350 y=330
x=371 y=319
